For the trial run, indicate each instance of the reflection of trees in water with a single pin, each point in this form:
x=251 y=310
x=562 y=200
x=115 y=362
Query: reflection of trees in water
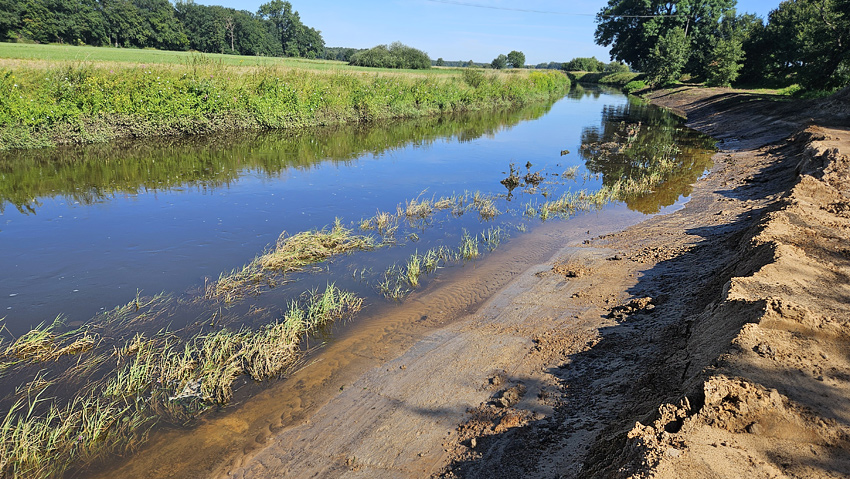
x=94 y=173
x=637 y=140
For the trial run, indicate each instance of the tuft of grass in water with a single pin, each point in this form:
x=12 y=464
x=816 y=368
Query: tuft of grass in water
x=392 y=284
x=384 y=223
x=309 y=247
x=484 y=205
x=416 y=209
x=468 y=246
x=570 y=173
x=413 y=269
x=290 y=254
x=43 y=343
x=433 y=257
x=493 y=237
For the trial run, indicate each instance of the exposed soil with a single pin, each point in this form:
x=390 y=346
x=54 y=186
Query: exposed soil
x=709 y=342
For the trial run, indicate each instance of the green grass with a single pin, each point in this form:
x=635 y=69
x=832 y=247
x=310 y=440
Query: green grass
x=148 y=56
x=51 y=102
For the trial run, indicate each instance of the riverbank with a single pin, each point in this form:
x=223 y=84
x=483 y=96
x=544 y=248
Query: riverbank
x=719 y=327
x=45 y=104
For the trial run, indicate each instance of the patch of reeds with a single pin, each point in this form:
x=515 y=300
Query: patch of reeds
x=416 y=209
x=44 y=343
x=149 y=379
x=570 y=173
x=484 y=205
x=290 y=254
x=493 y=237
x=468 y=246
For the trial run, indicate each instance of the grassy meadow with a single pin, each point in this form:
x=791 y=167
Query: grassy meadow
x=52 y=94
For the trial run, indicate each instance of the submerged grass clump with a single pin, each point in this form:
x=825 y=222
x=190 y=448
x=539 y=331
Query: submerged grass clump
x=290 y=254
x=122 y=390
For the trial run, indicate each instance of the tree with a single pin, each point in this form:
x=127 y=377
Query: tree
x=160 y=21
x=397 y=55
x=296 y=39
x=615 y=67
x=727 y=53
x=230 y=27
x=809 y=43
x=10 y=17
x=584 y=64
x=124 y=23
x=470 y=63
x=668 y=57
x=632 y=39
x=499 y=62
x=440 y=62
x=726 y=63
x=516 y=59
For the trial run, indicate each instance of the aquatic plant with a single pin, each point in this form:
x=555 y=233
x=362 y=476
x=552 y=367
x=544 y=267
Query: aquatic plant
x=468 y=246
x=146 y=380
x=290 y=254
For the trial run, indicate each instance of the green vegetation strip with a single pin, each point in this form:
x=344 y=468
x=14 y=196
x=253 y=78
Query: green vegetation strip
x=47 y=105
x=123 y=391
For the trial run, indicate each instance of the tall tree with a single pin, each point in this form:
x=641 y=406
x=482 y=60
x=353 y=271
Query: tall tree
x=124 y=23
x=499 y=62
x=10 y=18
x=296 y=39
x=632 y=28
x=668 y=57
x=159 y=18
x=516 y=59
x=809 y=42
x=727 y=52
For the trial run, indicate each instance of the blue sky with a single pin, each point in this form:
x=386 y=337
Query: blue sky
x=443 y=28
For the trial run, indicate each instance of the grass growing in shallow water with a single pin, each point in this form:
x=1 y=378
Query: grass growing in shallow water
x=149 y=379
x=290 y=254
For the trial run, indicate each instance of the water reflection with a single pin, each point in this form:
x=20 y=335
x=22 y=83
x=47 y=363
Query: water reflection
x=96 y=173
x=636 y=140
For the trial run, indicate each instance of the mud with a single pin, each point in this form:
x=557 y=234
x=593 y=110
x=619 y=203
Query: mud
x=709 y=342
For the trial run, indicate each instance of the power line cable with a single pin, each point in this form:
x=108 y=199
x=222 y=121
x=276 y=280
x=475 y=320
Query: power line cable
x=491 y=7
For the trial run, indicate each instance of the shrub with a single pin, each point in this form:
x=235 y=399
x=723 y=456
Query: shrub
x=633 y=86
x=397 y=55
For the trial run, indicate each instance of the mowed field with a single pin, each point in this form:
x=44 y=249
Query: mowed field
x=12 y=53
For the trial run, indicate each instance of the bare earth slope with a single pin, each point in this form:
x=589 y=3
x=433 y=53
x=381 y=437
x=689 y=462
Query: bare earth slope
x=765 y=370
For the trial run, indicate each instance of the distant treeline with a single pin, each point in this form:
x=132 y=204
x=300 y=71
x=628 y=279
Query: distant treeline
x=274 y=30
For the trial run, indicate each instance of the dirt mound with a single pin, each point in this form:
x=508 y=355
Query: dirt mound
x=774 y=402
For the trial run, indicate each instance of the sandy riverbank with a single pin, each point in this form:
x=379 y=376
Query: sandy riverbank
x=703 y=343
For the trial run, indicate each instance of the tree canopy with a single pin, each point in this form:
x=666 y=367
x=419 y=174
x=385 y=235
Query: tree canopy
x=275 y=30
x=499 y=62
x=516 y=59
x=803 y=41
x=397 y=55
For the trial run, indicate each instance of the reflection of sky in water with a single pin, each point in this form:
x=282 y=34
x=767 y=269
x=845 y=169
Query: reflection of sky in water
x=76 y=259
